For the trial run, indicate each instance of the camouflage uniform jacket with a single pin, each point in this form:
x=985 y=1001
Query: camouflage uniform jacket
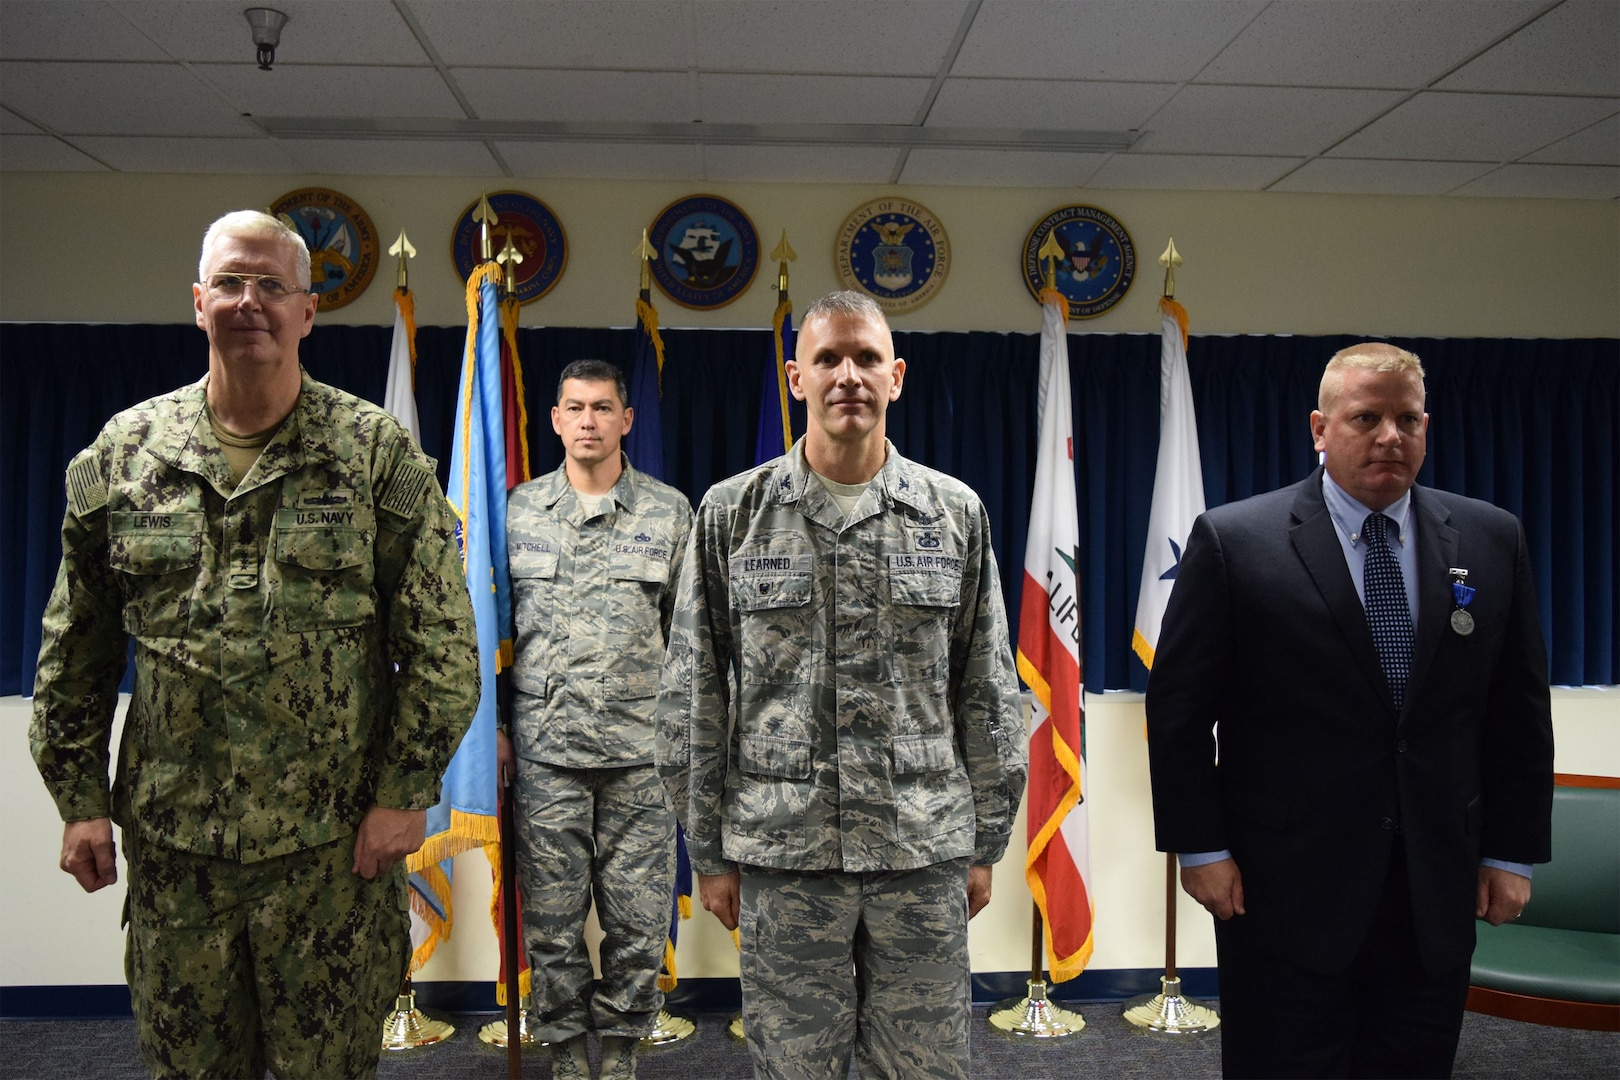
x=267 y=618
x=592 y=600
x=876 y=724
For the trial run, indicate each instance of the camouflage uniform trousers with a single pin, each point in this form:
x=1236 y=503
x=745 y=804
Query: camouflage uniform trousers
x=607 y=834
x=289 y=963
x=872 y=964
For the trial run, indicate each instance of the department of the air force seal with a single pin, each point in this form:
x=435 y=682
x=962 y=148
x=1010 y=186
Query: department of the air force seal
x=342 y=242
x=535 y=232
x=1098 y=261
x=708 y=251
x=894 y=249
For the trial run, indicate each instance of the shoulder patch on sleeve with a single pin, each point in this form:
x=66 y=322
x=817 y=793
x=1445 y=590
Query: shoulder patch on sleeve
x=86 y=487
x=406 y=486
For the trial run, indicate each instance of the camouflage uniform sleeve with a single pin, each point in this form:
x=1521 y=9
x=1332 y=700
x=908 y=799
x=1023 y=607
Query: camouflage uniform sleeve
x=693 y=732
x=681 y=534
x=984 y=700
x=431 y=635
x=81 y=659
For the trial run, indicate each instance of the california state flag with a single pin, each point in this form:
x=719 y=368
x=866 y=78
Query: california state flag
x=1058 y=862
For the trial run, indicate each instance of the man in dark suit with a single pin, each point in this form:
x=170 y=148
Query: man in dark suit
x=1350 y=741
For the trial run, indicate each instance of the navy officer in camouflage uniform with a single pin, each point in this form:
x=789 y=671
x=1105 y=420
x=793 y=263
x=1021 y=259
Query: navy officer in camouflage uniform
x=594 y=549
x=305 y=665
x=839 y=725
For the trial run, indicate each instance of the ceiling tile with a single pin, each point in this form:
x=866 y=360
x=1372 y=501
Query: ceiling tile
x=1596 y=145
x=52 y=30
x=997 y=168
x=124 y=99
x=578 y=96
x=809 y=99
x=173 y=155
x=391 y=157
x=801 y=164
x=317 y=31
x=1365 y=43
x=851 y=37
x=12 y=124
x=627 y=161
x=1547 y=182
x=1162 y=41
x=311 y=91
x=43 y=153
x=1472 y=127
x=608 y=34
x=1260 y=120
x=1353 y=176
x=1041 y=103
x=1573 y=49
x=1191 y=172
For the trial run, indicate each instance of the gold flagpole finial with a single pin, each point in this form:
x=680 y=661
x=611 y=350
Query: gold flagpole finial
x=783 y=255
x=509 y=257
x=646 y=253
x=1170 y=260
x=405 y=250
x=488 y=219
x=1051 y=254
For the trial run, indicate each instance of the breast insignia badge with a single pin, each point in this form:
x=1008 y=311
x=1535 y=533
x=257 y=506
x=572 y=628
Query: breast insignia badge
x=708 y=251
x=896 y=251
x=535 y=232
x=1098 y=264
x=342 y=242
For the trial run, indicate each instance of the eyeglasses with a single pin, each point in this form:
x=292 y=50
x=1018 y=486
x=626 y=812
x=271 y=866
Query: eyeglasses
x=271 y=290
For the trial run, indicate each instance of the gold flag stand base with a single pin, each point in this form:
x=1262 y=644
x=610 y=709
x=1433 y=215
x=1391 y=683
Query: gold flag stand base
x=668 y=1030
x=735 y=1029
x=1035 y=1016
x=494 y=1033
x=1168 y=1013
x=408 y=1027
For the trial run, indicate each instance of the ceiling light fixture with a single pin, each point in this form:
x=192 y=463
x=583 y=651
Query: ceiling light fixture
x=266 y=24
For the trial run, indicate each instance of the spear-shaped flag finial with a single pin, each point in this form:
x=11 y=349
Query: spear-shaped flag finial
x=1051 y=254
x=487 y=218
x=1170 y=260
x=646 y=253
x=405 y=250
x=509 y=257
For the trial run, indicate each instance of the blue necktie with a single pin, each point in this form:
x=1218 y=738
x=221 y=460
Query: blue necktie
x=1387 y=613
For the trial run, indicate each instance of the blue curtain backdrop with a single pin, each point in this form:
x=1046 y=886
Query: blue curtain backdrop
x=1527 y=424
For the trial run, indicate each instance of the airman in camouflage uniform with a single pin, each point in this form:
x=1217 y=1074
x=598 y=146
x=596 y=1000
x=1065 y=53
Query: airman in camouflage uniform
x=276 y=765
x=593 y=550
x=845 y=807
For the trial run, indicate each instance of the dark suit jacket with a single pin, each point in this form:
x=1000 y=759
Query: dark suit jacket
x=1317 y=774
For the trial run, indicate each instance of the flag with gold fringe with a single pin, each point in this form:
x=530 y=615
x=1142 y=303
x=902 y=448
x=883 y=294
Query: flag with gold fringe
x=1057 y=866
x=1178 y=483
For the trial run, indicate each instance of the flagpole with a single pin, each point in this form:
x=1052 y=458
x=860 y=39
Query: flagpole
x=1167 y=1012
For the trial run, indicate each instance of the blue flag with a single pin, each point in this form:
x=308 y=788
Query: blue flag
x=644 y=446
x=779 y=415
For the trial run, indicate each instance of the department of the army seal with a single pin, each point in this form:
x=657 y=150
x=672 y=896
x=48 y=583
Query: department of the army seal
x=708 y=251
x=342 y=242
x=535 y=232
x=895 y=250
x=1098 y=261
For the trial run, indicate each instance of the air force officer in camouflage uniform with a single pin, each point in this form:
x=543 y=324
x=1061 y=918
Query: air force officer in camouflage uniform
x=275 y=547
x=594 y=549
x=846 y=805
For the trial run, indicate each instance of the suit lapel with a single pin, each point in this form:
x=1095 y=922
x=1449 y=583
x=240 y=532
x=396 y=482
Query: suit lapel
x=1319 y=549
x=1437 y=553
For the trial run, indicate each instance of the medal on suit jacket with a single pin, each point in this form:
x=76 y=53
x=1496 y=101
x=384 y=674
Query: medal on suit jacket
x=1462 y=621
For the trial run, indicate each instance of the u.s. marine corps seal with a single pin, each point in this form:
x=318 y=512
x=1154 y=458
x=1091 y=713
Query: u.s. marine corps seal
x=342 y=242
x=708 y=251
x=896 y=251
x=1098 y=262
x=535 y=232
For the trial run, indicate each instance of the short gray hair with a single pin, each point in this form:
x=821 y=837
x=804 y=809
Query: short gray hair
x=846 y=302
x=258 y=224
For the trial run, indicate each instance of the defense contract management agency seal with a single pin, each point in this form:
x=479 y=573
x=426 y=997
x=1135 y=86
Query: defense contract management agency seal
x=708 y=251
x=535 y=232
x=895 y=250
x=342 y=242
x=1098 y=261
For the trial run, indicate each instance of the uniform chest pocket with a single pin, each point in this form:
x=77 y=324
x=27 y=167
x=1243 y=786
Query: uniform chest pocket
x=326 y=575
x=923 y=600
x=534 y=571
x=157 y=557
x=775 y=612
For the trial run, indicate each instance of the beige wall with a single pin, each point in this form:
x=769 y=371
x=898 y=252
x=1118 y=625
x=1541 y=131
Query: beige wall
x=51 y=933
x=123 y=248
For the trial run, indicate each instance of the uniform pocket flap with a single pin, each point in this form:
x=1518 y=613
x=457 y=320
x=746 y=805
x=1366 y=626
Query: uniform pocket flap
x=527 y=562
x=630 y=686
x=321 y=547
x=152 y=544
x=925 y=580
x=922 y=754
x=768 y=755
x=762 y=582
